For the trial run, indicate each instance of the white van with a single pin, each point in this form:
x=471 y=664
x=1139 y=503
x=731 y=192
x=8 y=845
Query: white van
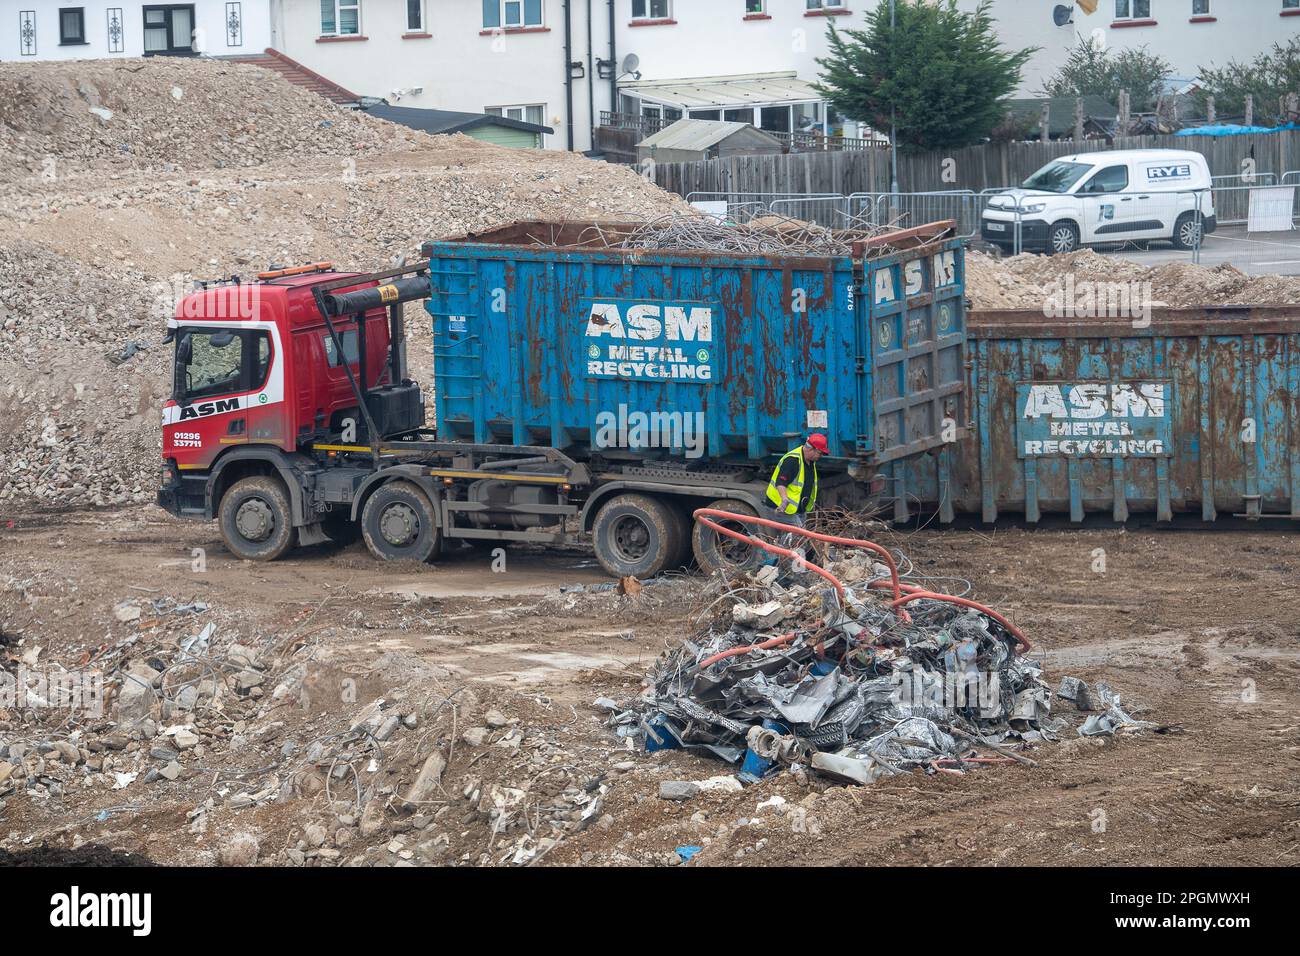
x=1131 y=195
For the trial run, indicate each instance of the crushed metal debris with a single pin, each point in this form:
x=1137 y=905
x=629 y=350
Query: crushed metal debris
x=856 y=670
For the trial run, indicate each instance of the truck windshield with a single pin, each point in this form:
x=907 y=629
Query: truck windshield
x=1057 y=176
x=212 y=362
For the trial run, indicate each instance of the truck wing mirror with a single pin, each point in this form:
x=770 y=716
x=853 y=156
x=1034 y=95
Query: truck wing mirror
x=184 y=349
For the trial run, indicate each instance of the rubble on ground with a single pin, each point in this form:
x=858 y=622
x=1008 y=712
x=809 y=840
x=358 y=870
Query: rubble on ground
x=171 y=112
x=240 y=172
x=1028 y=281
x=798 y=675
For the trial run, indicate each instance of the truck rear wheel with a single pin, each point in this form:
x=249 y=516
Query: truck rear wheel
x=717 y=552
x=636 y=535
x=399 y=524
x=255 y=520
x=680 y=513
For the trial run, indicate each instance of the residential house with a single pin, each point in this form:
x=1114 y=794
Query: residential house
x=56 y=30
x=505 y=57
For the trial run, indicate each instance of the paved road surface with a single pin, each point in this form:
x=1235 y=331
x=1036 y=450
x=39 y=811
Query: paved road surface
x=1256 y=253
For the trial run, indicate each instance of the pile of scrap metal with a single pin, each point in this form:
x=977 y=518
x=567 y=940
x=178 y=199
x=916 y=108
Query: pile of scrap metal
x=856 y=670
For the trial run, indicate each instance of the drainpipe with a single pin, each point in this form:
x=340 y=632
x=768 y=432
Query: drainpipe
x=613 y=60
x=568 y=69
x=591 y=79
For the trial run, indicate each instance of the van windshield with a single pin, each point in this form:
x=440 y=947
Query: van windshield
x=1057 y=176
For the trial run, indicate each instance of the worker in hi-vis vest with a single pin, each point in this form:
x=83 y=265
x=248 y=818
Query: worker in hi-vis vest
x=792 y=492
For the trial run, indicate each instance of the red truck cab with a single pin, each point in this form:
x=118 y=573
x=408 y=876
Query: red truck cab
x=263 y=386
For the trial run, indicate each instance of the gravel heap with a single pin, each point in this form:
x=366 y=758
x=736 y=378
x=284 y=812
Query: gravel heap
x=1025 y=281
x=94 y=258
x=178 y=112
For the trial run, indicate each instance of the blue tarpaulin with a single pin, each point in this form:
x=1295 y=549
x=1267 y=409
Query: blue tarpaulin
x=1228 y=129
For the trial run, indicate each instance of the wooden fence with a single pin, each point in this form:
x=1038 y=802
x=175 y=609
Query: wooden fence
x=976 y=167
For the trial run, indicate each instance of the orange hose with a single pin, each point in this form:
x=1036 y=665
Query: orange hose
x=700 y=514
x=921 y=595
x=737 y=651
x=913 y=592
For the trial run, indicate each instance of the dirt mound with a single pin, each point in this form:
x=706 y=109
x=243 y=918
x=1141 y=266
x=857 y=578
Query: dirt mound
x=272 y=175
x=1027 y=281
x=187 y=113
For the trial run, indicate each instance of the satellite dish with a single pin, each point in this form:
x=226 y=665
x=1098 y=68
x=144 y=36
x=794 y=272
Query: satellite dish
x=1063 y=16
x=631 y=63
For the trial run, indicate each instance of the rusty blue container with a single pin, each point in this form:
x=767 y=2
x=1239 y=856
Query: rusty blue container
x=1196 y=414
x=541 y=327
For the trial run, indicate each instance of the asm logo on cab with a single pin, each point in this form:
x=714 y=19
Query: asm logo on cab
x=1159 y=173
x=209 y=408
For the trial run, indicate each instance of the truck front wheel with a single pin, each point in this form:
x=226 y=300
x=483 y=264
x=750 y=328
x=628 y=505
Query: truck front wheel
x=399 y=523
x=636 y=535
x=255 y=520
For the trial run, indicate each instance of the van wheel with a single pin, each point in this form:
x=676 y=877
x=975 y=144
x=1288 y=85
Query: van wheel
x=635 y=535
x=717 y=552
x=255 y=520
x=399 y=523
x=1187 y=231
x=1063 y=238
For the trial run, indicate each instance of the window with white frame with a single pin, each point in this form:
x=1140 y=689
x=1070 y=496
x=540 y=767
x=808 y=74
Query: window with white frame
x=1200 y=8
x=527 y=114
x=512 y=14
x=1132 y=9
x=340 y=18
x=755 y=6
x=414 y=16
x=1291 y=4
x=825 y=4
x=651 y=9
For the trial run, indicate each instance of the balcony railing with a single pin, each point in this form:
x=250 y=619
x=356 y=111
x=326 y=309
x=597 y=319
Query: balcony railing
x=803 y=142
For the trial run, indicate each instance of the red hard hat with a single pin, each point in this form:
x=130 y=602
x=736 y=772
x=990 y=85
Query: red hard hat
x=819 y=442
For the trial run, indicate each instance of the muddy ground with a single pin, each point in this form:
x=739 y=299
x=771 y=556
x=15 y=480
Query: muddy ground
x=497 y=673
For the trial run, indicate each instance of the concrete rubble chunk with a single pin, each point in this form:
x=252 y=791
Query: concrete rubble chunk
x=768 y=614
x=678 y=790
x=425 y=785
x=241 y=849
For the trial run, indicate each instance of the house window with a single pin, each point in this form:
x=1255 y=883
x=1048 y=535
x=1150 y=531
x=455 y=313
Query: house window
x=1132 y=9
x=512 y=14
x=526 y=114
x=651 y=10
x=414 y=16
x=753 y=7
x=825 y=4
x=1291 y=4
x=340 y=18
x=168 y=29
x=1200 y=8
x=72 y=26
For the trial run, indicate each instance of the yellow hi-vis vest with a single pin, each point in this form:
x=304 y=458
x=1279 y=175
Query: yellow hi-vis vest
x=794 y=490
